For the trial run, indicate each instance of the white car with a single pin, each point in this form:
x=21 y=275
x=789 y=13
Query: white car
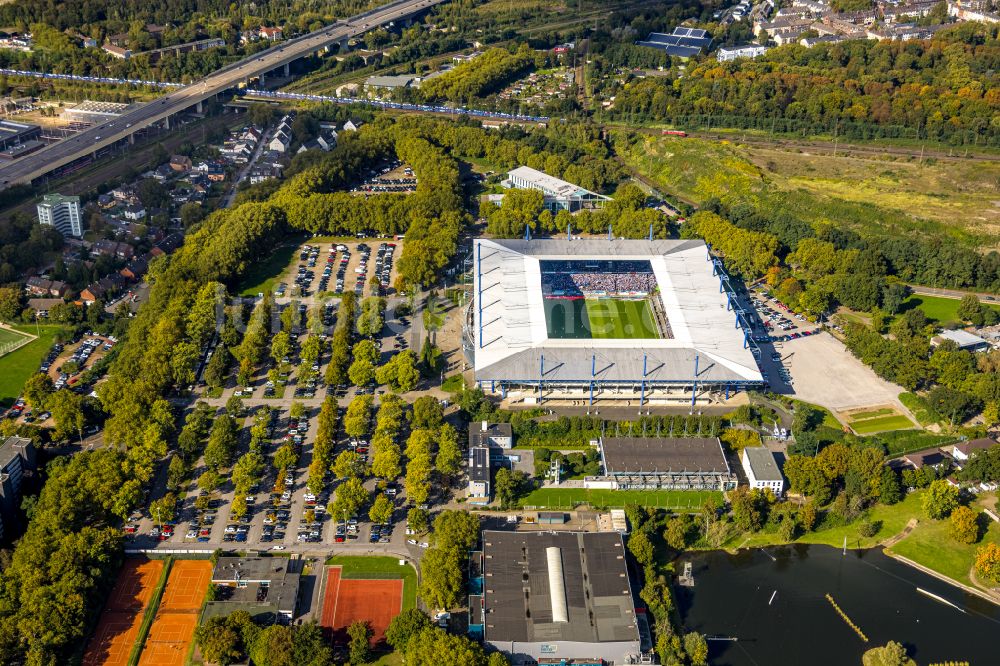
x=277 y=547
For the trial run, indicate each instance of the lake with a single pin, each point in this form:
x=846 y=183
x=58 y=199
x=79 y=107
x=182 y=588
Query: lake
x=773 y=601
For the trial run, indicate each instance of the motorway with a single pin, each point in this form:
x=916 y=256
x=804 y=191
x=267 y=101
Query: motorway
x=92 y=140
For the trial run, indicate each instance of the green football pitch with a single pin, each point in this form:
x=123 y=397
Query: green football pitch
x=599 y=318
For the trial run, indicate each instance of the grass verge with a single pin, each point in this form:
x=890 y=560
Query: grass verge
x=17 y=366
x=261 y=276
x=379 y=567
x=150 y=614
x=881 y=424
x=918 y=407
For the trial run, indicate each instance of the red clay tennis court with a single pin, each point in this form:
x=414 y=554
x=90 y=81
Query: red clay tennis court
x=177 y=616
x=346 y=600
x=187 y=585
x=118 y=627
x=169 y=639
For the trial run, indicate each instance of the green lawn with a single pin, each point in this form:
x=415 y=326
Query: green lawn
x=618 y=319
x=16 y=367
x=937 y=309
x=8 y=336
x=261 y=276
x=871 y=414
x=881 y=424
x=929 y=544
x=599 y=318
x=360 y=567
x=567 y=498
x=453 y=384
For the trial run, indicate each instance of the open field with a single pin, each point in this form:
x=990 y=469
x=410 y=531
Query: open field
x=16 y=367
x=118 y=627
x=891 y=519
x=827 y=374
x=866 y=422
x=929 y=544
x=889 y=195
x=937 y=309
x=567 y=498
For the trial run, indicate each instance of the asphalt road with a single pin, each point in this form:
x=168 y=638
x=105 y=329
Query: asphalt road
x=96 y=138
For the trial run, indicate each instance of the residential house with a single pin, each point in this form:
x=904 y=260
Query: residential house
x=37 y=286
x=962 y=451
x=353 y=124
x=117 y=51
x=280 y=142
x=135 y=269
x=134 y=211
x=180 y=163
x=261 y=172
x=272 y=34
x=168 y=244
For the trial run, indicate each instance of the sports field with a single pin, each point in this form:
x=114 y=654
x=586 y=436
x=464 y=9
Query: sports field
x=567 y=498
x=374 y=589
x=9 y=336
x=177 y=617
x=118 y=628
x=599 y=318
x=16 y=367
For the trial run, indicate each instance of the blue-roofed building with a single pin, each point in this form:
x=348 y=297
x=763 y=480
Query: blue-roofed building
x=681 y=43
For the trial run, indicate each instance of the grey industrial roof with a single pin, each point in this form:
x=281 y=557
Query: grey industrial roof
x=250 y=568
x=513 y=337
x=517 y=595
x=630 y=455
x=762 y=463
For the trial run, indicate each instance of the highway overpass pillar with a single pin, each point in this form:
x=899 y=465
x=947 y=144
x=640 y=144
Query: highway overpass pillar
x=262 y=85
x=131 y=139
x=200 y=106
x=166 y=123
x=287 y=71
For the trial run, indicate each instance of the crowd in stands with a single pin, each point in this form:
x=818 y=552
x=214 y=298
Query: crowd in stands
x=609 y=284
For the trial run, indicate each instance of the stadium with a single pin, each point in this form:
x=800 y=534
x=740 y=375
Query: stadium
x=651 y=321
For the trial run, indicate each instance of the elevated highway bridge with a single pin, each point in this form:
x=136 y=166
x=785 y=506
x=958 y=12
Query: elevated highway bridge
x=92 y=141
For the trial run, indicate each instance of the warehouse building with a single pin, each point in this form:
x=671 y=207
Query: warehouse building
x=668 y=463
x=558 y=595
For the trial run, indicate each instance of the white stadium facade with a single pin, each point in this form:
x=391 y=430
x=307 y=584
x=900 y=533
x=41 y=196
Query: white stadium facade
x=695 y=344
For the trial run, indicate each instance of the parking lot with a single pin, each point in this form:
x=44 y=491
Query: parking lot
x=333 y=268
x=396 y=178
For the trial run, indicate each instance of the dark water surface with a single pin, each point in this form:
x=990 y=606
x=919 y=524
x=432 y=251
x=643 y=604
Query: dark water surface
x=732 y=597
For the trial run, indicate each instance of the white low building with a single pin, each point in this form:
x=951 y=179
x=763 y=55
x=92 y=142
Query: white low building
x=762 y=470
x=745 y=51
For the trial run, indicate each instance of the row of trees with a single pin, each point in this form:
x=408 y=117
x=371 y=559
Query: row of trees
x=235 y=638
x=943 y=88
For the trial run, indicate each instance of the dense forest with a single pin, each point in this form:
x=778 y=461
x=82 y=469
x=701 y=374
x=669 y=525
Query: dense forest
x=943 y=89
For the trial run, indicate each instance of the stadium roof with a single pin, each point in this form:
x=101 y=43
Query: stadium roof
x=515 y=336
x=632 y=455
x=578 y=592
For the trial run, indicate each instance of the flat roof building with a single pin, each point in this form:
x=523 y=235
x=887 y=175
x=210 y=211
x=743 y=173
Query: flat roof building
x=263 y=586
x=558 y=194
x=676 y=463
x=61 y=212
x=682 y=42
x=726 y=54
x=14 y=133
x=562 y=595
x=963 y=339
x=491 y=434
x=762 y=469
